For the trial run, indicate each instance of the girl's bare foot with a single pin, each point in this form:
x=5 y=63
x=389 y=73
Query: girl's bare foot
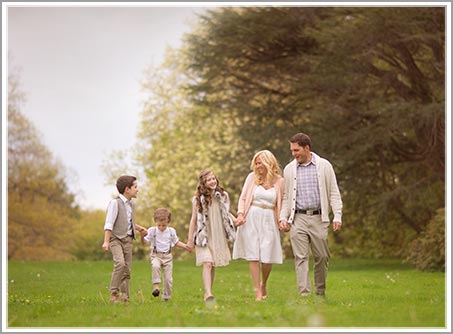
x=208 y=298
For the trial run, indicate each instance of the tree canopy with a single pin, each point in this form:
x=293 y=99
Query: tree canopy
x=366 y=83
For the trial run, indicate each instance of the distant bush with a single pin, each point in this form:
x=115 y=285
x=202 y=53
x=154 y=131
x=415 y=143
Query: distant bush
x=88 y=236
x=427 y=252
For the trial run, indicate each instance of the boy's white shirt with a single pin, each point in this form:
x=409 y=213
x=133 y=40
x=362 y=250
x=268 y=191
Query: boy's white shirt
x=163 y=241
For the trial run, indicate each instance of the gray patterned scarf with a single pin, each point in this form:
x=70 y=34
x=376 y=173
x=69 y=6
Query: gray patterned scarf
x=201 y=235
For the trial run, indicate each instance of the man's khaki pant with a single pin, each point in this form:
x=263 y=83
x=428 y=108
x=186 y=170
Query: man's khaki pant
x=310 y=232
x=164 y=261
x=121 y=250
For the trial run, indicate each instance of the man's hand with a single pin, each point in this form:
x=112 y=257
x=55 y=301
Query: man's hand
x=283 y=226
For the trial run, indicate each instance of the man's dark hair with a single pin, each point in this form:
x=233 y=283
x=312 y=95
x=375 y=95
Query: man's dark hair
x=302 y=139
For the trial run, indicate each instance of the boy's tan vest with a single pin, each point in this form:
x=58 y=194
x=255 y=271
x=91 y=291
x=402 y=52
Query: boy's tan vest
x=121 y=224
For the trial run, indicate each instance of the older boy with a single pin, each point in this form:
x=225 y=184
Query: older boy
x=119 y=232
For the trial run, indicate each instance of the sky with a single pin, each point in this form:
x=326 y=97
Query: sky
x=80 y=68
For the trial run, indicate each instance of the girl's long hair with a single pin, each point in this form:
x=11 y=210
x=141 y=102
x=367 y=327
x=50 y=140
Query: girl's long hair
x=202 y=189
x=272 y=167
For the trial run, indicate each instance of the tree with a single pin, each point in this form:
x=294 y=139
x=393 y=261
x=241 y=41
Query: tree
x=178 y=140
x=366 y=83
x=427 y=252
x=384 y=75
x=255 y=62
x=41 y=209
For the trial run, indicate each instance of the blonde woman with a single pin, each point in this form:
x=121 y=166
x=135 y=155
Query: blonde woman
x=258 y=236
x=211 y=227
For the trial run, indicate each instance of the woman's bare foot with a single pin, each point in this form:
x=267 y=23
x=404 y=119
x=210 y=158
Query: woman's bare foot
x=263 y=292
x=258 y=295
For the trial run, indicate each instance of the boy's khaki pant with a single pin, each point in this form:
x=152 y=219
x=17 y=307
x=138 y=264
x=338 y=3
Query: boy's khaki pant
x=121 y=250
x=164 y=261
x=310 y=232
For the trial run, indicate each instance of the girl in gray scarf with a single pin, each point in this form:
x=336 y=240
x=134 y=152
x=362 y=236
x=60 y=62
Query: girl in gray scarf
x=210 y=229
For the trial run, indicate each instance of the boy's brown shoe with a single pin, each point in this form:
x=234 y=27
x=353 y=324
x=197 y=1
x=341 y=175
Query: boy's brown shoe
x=114 y=298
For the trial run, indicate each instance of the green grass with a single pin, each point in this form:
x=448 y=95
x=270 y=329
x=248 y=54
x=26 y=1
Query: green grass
x=360 y=293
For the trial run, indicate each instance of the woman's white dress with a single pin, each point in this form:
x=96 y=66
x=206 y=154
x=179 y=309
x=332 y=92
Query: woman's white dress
x=259 y=238
x=216 y=250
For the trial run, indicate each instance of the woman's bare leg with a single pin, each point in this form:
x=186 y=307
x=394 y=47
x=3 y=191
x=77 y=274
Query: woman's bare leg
x=254 y=267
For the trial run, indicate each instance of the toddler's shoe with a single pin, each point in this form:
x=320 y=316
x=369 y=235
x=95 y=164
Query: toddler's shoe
x=156 y=292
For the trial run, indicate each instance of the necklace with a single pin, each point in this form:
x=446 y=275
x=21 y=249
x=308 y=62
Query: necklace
x=267 y=185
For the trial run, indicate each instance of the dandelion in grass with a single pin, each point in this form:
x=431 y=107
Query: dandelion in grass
x=390 y=278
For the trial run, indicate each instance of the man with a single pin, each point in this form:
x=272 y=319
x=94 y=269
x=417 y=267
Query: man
x=311 y=193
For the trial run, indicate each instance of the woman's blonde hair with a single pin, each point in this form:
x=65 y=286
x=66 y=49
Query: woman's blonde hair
x=270 y=163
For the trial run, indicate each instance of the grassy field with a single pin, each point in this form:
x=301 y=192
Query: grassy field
x=360 y=293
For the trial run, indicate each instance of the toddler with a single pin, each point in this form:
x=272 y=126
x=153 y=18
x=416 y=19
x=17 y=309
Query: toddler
x=161 y=239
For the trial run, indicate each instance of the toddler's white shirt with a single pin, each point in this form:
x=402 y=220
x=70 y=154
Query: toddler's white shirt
x=162 y=241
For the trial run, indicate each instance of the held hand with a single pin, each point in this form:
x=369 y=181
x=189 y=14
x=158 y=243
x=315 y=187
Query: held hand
x=140 y=228
x=283 y=226
x=190 y=246
x=240 y=220
x=336 y=226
